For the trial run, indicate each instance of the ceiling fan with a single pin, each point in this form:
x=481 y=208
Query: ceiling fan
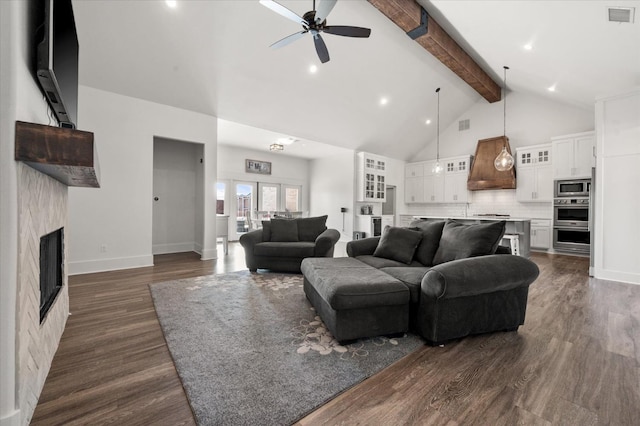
x=314 y=22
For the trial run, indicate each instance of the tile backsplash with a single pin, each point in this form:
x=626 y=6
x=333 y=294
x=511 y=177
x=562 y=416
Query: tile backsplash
x=501 y=201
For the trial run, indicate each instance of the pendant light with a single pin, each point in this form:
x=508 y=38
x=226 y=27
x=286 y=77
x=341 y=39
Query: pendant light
x=437 y=168
x=504 y=161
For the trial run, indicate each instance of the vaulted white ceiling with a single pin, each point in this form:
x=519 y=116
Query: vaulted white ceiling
x=213 y=57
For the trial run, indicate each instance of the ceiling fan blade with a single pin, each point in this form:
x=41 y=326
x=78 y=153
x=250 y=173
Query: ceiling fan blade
x=288 y=39
x=321 y=48
x=323 y=10
x=343 y=30
x=280 y=9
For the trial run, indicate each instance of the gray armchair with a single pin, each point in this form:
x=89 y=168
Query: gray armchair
x=282 y=244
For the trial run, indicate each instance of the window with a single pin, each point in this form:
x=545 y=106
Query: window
x=268 y=199
x=221 y=192
x=292 y=198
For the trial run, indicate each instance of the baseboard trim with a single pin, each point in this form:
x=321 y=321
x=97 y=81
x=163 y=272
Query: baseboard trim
x=625 y=277
x=173 y=248
x=103 y=265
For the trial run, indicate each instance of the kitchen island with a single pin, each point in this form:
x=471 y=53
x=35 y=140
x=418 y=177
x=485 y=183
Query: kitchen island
x=514 y=226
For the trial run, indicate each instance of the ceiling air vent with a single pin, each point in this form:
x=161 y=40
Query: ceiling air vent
x=463 y=125
x=621 y=14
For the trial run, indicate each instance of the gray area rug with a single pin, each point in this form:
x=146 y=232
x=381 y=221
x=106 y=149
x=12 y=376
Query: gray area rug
x=251 y=350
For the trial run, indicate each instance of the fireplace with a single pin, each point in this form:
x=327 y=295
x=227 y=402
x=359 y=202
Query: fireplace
x=51 y=264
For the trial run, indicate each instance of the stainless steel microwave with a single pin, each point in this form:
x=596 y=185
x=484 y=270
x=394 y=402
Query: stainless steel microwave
x=572 y=188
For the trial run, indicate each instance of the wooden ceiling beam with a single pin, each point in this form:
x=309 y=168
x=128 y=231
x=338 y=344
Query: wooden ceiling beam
x=419 y=25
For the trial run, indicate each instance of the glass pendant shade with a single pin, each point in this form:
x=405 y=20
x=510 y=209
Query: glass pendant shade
x=504 y=161
x=437 y=168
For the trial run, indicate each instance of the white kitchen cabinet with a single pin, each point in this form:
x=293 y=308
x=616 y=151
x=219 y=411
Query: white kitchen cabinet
x=371 y=177
x=456 y=172
x=450 y=186
x=541 y=234
x=433 y=184
x=574 y=155
x=414 y=183
x=535 y=174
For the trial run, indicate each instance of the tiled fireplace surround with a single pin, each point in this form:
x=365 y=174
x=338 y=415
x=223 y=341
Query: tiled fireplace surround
x=42 y=208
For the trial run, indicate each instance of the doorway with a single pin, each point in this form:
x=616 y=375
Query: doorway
x=178 y=196
x=245 y=205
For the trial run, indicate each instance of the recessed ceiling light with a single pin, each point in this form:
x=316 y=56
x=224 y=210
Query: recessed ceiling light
x=313 y=69
x=528 y=46
x=171 y=3
x=427 y=122
x=286 y=141
x=552 y=88
x=384 y=101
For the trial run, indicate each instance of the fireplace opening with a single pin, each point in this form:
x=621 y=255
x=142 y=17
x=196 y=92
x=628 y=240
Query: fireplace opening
x=51 y=264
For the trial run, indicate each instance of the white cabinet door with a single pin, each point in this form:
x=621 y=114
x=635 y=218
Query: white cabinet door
x=563 y=164
x=455 y=188
x=414 y=190
x=414 y=170
x=574 y=156
x=526 y=187
x=535 y=184
x=433 y=188
x=544 y=183
x=541 y=237
x=584 y=156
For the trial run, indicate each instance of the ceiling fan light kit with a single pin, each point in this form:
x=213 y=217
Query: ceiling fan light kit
x=314 y=22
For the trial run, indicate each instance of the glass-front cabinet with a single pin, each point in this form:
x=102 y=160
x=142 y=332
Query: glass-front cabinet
x=371 y=176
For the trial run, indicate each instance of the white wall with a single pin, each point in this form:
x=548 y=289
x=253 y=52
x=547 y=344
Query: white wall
x=175 y=173
x=284 y=170
x=617 y=229
x=332 y=187
x=119 y=214
x=531 y=120
x=20 y=99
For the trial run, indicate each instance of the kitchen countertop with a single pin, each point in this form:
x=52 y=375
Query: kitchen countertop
x=508 y=219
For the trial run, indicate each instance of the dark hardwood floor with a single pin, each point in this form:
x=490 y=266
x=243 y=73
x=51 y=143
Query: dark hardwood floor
x=576 y=361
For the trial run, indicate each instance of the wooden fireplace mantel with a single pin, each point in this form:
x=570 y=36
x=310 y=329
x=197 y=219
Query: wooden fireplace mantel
x=67 y=155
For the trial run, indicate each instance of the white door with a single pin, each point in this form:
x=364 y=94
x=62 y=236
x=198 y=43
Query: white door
x=244 y=203
x=176 y=176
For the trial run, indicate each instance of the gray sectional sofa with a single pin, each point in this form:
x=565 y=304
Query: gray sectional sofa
x=281 y=244
x=440 y=279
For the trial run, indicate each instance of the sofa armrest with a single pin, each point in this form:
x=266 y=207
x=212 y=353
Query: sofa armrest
x=326 y=242
x=365 y=246
x=251 y=238
x=478 y=275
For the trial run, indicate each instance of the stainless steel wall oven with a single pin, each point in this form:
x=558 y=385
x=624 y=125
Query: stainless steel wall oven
x=572 y=217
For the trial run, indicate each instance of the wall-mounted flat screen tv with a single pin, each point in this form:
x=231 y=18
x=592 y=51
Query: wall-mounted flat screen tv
x=57 y=61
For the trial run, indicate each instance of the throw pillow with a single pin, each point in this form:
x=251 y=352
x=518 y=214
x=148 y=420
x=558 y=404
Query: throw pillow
x=398 y=244
x=284 y=230
x=460 y=241
x=310 y=227
x=431 y=233
x=266 y=230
